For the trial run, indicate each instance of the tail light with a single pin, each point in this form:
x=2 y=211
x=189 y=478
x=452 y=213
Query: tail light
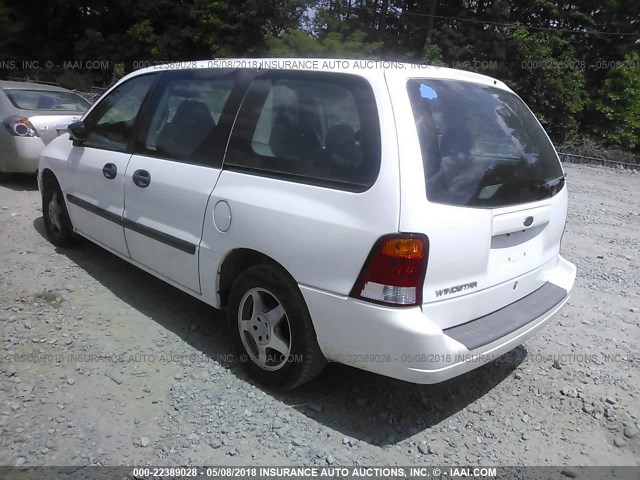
x=394 y=271
x=19 y=126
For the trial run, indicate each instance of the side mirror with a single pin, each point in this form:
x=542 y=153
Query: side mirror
x=78 y=132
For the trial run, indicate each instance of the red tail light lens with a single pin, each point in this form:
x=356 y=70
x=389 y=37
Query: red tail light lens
x=394 y=272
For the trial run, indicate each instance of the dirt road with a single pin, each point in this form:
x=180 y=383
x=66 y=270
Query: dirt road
x=102 y=363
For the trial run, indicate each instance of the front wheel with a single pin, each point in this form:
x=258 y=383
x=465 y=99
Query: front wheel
x=272 y=329
x=54 y=211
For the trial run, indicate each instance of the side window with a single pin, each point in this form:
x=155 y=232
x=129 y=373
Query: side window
x=185 y=119
x=111 y=123
x=319 y=128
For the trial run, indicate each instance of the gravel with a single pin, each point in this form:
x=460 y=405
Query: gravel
x=102 y=364
x=619 y=442
x=630 y=432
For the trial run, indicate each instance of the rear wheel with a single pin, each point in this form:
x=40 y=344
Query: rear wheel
x=54 y=211
x=272 y=329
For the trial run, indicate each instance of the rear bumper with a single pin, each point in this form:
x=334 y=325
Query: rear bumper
x=404 y=343
x=20 y=154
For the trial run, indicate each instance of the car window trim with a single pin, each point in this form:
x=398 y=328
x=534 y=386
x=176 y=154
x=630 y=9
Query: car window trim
x=351 y=187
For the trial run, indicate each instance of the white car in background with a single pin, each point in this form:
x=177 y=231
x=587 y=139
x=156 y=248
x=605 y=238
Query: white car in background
x=404 y=221
x=32 y=115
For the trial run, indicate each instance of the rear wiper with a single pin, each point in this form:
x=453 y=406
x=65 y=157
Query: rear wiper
x=553 y=182
x=554 y=185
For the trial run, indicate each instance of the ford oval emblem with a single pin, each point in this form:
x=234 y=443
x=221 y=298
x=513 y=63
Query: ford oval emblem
x=528 y=221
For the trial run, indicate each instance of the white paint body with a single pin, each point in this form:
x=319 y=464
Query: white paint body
x=323 y=236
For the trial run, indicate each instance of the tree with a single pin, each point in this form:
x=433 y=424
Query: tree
x=618 y=105
x=533 y=45
x=545 y=73
x=8 y=26
x=296 y=43
x=239 y=28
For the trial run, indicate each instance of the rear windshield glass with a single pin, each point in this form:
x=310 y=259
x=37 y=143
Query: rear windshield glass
x=46 y=100
x=481 y=146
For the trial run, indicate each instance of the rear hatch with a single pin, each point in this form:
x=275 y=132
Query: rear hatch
x=495 y=203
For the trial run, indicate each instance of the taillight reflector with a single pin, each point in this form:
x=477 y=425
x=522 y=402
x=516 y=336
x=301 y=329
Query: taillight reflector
x=394 y=272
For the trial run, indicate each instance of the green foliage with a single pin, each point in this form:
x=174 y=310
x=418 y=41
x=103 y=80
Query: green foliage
x=293 y=43
x=433 y=55
x=243 y=28
x=618 y=103
x=144 y=33
x=118 y=72
x=296 y=43
x=72 y=80
x=554 y=53
x=210 y=25
x=351 y=46
x=545 y=73
x=8 y=26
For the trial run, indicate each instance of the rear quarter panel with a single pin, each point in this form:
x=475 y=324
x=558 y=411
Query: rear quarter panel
x=321 y=236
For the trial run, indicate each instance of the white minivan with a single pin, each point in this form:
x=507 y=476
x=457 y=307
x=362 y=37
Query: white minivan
x=403 y=220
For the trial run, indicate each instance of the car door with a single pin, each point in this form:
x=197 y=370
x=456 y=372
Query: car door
x=94 y=187
x=176 y=163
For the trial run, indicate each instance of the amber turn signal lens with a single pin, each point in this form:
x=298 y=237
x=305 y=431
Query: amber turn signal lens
x=409 y=248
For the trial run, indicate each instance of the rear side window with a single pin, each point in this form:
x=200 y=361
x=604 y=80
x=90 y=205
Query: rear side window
x=481 y=146
x=318 y=128
x=47 y=100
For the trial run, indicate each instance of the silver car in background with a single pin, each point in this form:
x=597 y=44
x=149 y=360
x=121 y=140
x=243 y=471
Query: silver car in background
x=32 y=115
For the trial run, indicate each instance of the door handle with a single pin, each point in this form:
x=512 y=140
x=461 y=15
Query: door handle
x=141 y=178
x=110 y=171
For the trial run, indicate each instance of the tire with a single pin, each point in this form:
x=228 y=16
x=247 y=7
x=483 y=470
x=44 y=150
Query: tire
x=272 y=329
x=56 y=217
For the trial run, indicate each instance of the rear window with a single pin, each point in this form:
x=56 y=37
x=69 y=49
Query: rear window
x=481 y=146
x=46 y=100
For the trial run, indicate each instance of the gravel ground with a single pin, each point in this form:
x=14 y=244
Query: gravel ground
x=103 y=364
